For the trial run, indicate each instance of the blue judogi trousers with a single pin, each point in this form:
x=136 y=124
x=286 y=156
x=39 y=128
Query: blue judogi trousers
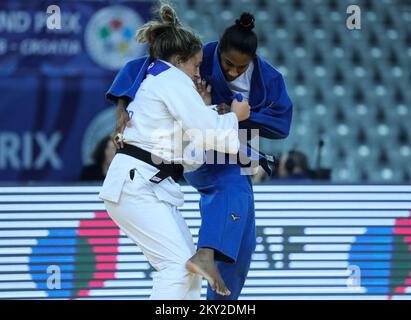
x=227 y=221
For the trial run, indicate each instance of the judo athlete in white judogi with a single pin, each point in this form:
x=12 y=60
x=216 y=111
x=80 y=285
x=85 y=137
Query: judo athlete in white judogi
x=142 y=198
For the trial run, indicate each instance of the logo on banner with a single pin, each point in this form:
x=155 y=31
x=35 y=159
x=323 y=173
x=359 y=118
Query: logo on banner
x=109 y=37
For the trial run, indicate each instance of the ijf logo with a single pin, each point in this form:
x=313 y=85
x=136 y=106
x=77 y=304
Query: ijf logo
x=109 y=37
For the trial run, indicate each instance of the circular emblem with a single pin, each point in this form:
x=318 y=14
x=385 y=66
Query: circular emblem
x=109 y=37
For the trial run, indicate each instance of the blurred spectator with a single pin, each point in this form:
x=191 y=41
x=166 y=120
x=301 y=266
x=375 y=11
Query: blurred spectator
x=294 y=166
x=102 y=156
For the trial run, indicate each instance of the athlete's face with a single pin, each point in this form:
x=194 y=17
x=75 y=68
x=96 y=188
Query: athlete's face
x=191 y=67
x=234 y=63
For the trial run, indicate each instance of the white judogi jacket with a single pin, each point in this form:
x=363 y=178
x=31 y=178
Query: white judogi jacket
x=170 y=120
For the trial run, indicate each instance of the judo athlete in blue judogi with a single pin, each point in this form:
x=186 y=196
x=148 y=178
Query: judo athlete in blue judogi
x=231 y=67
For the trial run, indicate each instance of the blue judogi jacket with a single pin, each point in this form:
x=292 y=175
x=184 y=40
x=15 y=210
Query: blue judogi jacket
x=271 y=106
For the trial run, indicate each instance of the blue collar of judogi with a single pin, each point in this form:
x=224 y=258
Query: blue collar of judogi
x=157 y=67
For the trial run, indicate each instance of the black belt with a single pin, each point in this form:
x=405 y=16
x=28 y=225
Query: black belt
x=167 y=169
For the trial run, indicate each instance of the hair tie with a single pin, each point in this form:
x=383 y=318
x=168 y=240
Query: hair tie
x=248 y=24
x=246 y=21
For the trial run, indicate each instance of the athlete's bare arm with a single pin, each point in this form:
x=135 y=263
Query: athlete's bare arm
x=122 y=121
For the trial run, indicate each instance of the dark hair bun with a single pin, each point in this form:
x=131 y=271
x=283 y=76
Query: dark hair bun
x=246 y=21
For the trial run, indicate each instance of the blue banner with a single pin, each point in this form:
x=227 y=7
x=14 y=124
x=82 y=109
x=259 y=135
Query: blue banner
x=57 y=59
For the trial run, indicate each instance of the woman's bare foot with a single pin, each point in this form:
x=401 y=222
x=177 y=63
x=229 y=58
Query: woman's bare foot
x=202 y=263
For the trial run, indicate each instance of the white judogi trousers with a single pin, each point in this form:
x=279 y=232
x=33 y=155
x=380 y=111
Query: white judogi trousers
x=142 y=211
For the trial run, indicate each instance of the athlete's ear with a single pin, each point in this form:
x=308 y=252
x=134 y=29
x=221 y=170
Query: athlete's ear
x=172 y=60
x=179 y=59
x=175 y=60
